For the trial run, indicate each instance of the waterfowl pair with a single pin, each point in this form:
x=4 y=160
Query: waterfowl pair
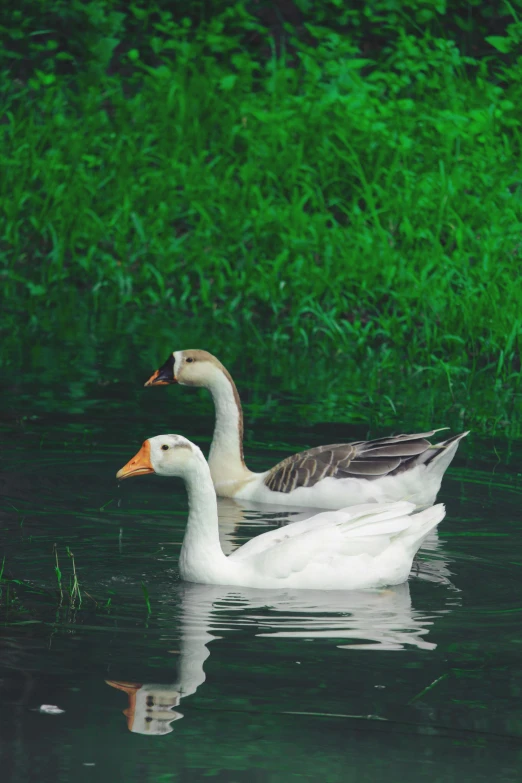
x=364 y=546
x=401 y=467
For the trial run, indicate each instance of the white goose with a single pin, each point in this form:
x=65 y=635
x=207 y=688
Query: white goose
x=401 y=467
x=360 y=547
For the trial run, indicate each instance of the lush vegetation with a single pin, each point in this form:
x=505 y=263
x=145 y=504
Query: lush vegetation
x=337 y=177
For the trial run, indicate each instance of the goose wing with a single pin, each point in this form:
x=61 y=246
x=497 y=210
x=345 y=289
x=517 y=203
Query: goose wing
x=367 y=460
x=351 y=518
x=366 y=532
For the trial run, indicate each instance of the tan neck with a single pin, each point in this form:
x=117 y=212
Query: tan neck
x=226 y=460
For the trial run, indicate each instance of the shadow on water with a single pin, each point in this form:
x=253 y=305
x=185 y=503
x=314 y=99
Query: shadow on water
x=416 y=682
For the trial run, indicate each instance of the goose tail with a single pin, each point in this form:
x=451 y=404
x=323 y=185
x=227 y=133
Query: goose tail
x=439 y=456
x=422 y=525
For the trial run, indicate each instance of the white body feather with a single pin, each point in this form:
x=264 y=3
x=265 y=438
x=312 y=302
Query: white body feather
x=364 y=546
x=419 y=485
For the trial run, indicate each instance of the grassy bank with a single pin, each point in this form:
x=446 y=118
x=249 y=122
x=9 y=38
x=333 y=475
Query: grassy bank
x=361 y=208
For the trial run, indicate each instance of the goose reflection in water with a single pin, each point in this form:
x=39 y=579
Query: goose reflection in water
x=151 y=706
x=379 y=620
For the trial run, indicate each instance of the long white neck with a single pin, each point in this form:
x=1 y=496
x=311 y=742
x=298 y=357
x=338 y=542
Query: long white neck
x=201 y=554
x=226 y=452
x=196 y=622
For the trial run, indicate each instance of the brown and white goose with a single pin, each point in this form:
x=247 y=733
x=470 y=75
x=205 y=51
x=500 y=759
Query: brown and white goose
x=401 y=467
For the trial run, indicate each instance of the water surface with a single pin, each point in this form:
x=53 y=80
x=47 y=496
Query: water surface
x=417 y=682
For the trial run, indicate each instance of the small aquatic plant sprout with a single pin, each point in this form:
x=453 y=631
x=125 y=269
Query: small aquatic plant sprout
x=368 y=545
x=334 y=476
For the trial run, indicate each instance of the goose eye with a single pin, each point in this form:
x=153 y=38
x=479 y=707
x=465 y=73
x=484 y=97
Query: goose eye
x=164 y=448
x=189 y=359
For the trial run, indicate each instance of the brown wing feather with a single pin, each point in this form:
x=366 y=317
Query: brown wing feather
x=396 y=438
x=370 y=468
x=367 y=460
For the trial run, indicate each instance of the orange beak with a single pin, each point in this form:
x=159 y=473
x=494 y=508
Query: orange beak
x=138 y=465
x=130 y=689
x=164 y=376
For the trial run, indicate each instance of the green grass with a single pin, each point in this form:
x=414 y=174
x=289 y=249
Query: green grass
x=146 y=597
x=366 y=212
x=17 y=596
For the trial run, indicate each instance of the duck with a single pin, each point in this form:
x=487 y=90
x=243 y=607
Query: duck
x=400 y=467
x=363 y=546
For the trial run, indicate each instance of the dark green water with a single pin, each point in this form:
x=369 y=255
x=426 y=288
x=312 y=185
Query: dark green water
x=422 y=682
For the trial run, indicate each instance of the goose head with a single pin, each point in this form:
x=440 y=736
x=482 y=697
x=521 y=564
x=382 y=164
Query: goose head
x=192 y=367
x=188 y=368
x=166 y=455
